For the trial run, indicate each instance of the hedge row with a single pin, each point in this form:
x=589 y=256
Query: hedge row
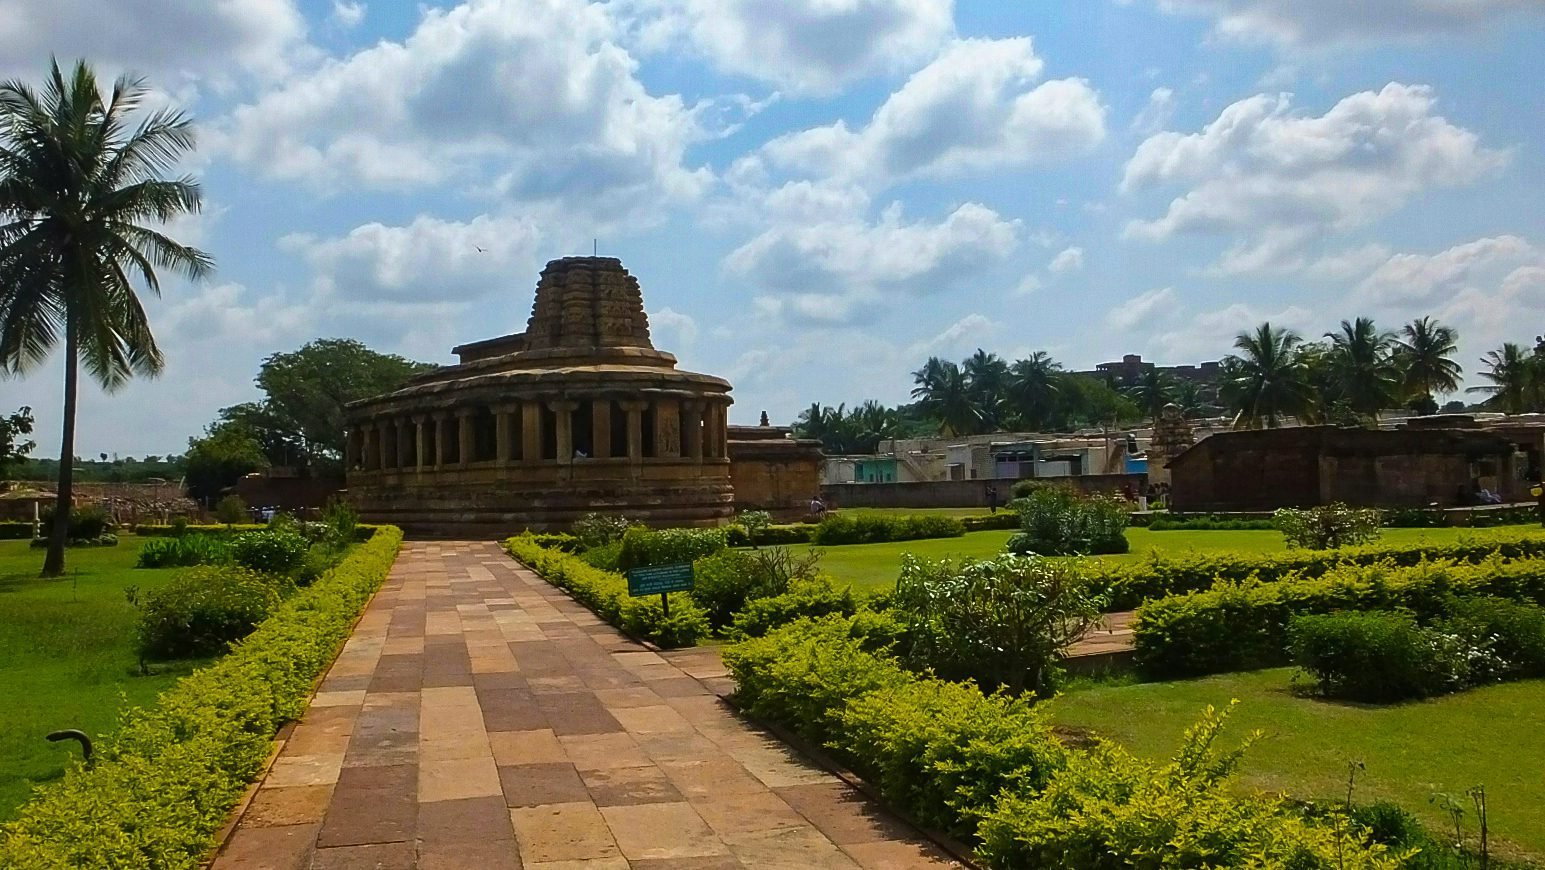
x=362 y=532
x=12 y=530
x=164 y=783
x=606 y=593
x=988 y=769
x=1242 y=626
x=859 y=528
x=1161 y=575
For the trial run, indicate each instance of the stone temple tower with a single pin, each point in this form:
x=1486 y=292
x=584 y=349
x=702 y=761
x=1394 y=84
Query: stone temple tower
x=579 y=413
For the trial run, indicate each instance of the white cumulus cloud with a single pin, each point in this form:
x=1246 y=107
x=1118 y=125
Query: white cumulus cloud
x=976 y=107
x=1272 y=180
x=809 y=46
x=1068 y=260
x=1316 y=22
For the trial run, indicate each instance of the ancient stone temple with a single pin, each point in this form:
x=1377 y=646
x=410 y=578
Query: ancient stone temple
x=578 y=413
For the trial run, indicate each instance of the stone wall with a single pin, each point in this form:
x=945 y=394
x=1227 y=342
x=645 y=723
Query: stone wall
x=961 y=493
x=1307 y=466
x=772 y=471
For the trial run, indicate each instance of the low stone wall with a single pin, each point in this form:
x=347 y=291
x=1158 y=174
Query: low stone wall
x=960 y=493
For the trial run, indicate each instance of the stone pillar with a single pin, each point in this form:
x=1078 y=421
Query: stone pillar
x=350 y=448
x=502 y=432
x=635 y=412
x=601 y=428
x=419 y=453
x=464 y=433
x=564 y=411
x=722 y=426
x=694 y=431
x=711 y=429
x=531 y=432
x=441 y=417
x=667 y=429
x=367 y=432
x=405 y=435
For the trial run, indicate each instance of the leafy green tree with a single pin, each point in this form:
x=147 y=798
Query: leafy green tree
x=944 y=393
x=1152 y=392
x=301 y=418
x=1188 y=397
x=12 y=429
x=1266 y=381
x=1514 y=379
x=1363 y=362
x=1423 y=354
x=1033 y=390
x=987 y=379
x=225 y=454
x=81 y=191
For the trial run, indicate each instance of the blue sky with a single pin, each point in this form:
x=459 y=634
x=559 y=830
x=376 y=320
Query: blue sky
x=816 y=195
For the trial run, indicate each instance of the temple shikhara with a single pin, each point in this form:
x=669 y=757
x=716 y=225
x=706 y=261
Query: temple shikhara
x=579 y=413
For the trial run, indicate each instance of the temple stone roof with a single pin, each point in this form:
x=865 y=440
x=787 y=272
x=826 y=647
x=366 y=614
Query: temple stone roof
x=587 y=303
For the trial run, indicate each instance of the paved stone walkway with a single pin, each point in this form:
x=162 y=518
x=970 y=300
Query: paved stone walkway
x=479 y=718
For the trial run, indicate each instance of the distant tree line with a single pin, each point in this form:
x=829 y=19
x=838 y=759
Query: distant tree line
x=1350 y=376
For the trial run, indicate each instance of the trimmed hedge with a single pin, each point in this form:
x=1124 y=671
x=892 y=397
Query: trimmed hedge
x=606 y=593
x=988 y=769
x=12 y=530
x=643 y=547
x=772 y=536
x=164 y=783
x=1242 y=626
x=1163 y=523
x=362 y=532
x=1159 y=575
x=1001 y=521
x=859 y=528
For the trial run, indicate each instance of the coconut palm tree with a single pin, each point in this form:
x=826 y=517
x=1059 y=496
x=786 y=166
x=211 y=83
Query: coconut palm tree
x=944 y=394
x=81 y=193
x=1514 y=375
x=1153 y=390
x=1362 y=365
x=1189 y=398
x=1265 y=382
x=1422 y=354
x=1033 y=390
x=987 y=379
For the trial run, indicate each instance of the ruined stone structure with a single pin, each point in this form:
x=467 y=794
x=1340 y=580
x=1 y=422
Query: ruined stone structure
x=774 y=471
x=1304 y=466
x=533 y=430
x=1172 y=436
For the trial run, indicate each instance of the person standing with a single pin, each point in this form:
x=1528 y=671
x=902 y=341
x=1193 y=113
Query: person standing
x=992 y=498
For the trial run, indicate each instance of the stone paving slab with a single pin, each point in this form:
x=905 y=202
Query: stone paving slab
x=480 y=718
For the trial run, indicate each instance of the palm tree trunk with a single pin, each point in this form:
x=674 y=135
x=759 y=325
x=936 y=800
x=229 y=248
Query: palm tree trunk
x=53 y=563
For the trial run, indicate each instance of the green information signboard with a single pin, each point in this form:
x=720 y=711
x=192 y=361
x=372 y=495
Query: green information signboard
x=659 y=579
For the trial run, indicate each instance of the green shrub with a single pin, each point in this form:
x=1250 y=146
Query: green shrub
x=1511 y=632
x=87 y=523
x=814 y=597
x=1108 y=809
x=232 y=510
x=1055 y=521
x=943 y=752
x=604 y=557
x=1414 y=518
x=868 y=528
x=784 y=535
x=1241 y=626
x=598 y=530
x=1002 y=622
x=176 y=530
x=184 y=552
x=606 y=593
x=202 y=611
x=1163 y=523
x=11 y=530
x=558 y=541
x=167 y=779
x=755 y=524
x=643 y=547
x=1377 y=656
x=320 y=559
x=1328 y=527
x=272 y=551
x=992 y=522
x=724 y=582
x=1159 y=575
x=341 y=521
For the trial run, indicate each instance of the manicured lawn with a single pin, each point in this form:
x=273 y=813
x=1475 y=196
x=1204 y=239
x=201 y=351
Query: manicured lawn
x=66 y=657
x=874 y=566
x=1493 y=736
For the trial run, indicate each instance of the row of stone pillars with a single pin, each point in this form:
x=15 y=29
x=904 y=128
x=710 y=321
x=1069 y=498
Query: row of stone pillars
x=693 y=429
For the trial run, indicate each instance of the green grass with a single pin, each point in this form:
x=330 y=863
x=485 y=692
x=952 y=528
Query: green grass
x=875 y=566
x=66 y=657
x=1490 y=736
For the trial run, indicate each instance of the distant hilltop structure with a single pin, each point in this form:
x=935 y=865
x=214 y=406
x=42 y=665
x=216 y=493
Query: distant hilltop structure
x=1131 y=368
